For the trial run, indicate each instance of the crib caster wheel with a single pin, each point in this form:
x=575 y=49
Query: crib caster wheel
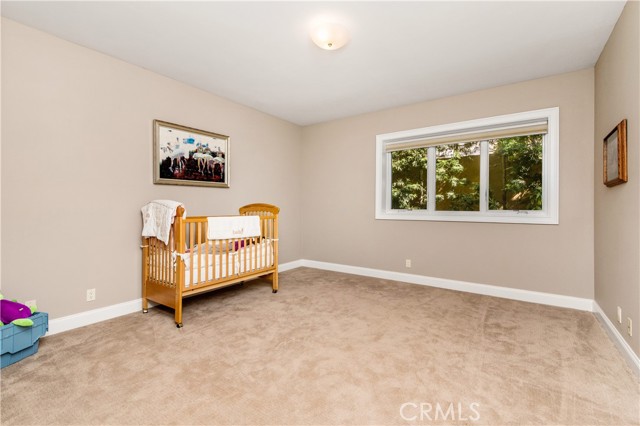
x=144 y=311
x=274 y=291
x=179 y=325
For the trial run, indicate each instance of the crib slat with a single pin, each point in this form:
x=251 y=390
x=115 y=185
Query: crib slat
x=159 y=254
x=159 y=259
x=192 y=283
x=240 y=255
x=248 y=255
x=169 y=266
x=225 y=258
x=162 y=254
x=247 y=259
x=229 y=248
x=259 y=251
x=178 y=261
x=152 y=254
x=210 y=255
x=206 y=259
x=263 y=226
x=265 y=247
x=156 y=256
x=155 y=259
x=234 y=254
x=265 y=234
x=165 y=265
x=268 y=247
x=151 y=262
x=234 y=246
x=165 y=262
x=253 y=254
x=199 y=243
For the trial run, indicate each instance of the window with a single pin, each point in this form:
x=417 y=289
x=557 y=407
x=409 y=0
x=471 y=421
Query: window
x=498 y=169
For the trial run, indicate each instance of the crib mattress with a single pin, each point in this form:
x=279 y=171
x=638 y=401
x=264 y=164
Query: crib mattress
x=219 y=265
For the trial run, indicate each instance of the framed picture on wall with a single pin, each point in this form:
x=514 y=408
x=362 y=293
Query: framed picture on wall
x=187 y=156
x=615 y=155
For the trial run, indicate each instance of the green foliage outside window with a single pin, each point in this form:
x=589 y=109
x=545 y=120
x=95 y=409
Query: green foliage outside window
x=515 y=173
x=409 y=179
x=458 y=177
x=515 y=176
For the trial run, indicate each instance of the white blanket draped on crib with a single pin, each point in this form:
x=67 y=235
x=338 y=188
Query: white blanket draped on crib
x=157 y=217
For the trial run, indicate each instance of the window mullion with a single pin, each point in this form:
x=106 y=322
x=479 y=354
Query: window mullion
x=387 y=182
x=547 y=160
x=484 y=176
x=431 y=178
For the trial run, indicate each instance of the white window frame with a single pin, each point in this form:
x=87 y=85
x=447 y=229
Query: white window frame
x=550 y=173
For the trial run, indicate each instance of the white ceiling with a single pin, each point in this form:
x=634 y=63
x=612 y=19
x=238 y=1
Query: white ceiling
x=259 y=53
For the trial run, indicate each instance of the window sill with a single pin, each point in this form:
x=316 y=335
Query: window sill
x=528 y=217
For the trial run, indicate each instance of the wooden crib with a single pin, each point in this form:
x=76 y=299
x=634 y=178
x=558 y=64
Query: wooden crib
x=190 y=264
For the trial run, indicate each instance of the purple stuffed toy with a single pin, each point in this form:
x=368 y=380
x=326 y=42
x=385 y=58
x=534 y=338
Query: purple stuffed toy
x=15 y=313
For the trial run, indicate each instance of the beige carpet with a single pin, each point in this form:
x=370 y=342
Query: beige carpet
x=329 y=349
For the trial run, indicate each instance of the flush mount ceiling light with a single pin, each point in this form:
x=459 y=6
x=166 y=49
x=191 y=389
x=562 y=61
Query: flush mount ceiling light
x=329 y=36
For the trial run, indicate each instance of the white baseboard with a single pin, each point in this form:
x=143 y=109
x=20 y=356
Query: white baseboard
x=504 y=292
x=58 y=325
x=469 y=287
x=283 y=267
x=631 y=357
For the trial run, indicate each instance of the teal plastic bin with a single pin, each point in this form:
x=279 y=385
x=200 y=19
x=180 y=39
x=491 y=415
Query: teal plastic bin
x=17 y=343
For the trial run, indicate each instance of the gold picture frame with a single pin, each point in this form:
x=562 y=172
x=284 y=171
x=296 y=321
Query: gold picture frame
x=615 y=155
x=186 y=156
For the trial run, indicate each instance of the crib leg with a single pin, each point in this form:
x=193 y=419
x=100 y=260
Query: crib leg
x=274 y=282
x=178 y=315
x=178 y=318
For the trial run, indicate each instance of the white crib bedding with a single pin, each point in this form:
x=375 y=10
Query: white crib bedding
x=214 y=266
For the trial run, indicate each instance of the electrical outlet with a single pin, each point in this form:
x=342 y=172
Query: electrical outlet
x=629 y=326
x=407 y=263
x=619 y=315
x=91 y=295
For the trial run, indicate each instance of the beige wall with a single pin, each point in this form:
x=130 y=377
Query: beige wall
x=77 y=167
x=617 y=209
x=339 y=185
x=0 y=151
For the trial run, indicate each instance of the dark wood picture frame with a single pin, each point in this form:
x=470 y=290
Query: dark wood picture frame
x=615 y=155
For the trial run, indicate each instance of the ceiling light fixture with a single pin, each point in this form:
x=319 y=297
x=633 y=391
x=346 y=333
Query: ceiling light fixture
x=329 y=36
